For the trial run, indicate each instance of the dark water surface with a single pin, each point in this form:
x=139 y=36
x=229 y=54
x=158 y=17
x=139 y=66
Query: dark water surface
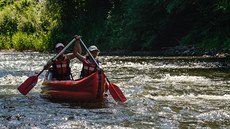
x=162 y=92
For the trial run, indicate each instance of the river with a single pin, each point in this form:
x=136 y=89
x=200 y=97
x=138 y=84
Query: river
x=161 y=92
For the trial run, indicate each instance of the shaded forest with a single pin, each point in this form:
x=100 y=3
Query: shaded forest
x=129 y=25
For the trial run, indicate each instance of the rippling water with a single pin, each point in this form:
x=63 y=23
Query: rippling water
x=162 y=92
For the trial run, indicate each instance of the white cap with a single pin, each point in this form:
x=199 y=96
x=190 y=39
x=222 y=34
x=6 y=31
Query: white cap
x=93 y=48
x=59 y=45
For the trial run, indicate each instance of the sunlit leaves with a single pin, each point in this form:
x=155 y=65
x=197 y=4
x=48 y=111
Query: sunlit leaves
x=27 y=23
x=223 y=5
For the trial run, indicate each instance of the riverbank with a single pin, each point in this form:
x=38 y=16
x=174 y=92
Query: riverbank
x=170 y=51
x=195 y=51
x=173 y=51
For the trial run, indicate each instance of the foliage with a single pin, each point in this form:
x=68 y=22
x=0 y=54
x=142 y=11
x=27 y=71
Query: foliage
x=24 y=24
x=137 y=25
x=227 y=43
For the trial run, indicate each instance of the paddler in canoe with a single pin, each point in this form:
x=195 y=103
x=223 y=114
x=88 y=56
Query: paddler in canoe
x=59 y=69
x=92 y=51
x=89 y=66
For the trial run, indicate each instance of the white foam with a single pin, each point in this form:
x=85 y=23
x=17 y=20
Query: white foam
x=214 y=115
x=190 y=97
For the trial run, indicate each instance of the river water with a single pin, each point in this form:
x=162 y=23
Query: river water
x=162 y=92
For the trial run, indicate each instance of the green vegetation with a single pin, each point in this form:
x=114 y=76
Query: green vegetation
x=26 y=24
x=136 y=25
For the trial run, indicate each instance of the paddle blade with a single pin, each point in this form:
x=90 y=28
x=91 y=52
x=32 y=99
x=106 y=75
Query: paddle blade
x=27 y=85
x=116 y=93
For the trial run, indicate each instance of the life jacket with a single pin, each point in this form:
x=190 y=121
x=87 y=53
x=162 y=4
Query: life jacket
x=61 y=69
x=88 y=67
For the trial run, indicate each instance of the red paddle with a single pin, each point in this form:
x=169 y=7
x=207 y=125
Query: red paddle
x=113 y=89
x=27 y=85
x=30 y=82
x=116 y=92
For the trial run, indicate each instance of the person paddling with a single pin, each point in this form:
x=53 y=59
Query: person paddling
x=60 y=68
x=89 y=66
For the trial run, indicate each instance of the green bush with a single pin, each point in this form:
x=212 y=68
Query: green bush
x=5 y=42
x=27 y=24
x=22 y=41
x=8 y=22
x=40 y=42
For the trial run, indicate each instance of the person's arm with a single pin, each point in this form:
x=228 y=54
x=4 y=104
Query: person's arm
x=77 y=51
x=48 y=64
x=77 y=46
x=70 y=56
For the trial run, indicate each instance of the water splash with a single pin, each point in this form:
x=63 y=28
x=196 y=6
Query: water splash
x=162 y=92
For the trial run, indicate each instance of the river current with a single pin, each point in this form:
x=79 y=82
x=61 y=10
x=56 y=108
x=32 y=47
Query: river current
x=161 y=92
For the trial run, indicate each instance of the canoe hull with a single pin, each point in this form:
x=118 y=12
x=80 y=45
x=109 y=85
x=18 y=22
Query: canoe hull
x=88 y=89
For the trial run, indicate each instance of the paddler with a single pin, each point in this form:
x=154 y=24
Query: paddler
x=89 y=66
x=59 y=69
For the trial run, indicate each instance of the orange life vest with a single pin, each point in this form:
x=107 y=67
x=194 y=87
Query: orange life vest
x=88 y=67
x=61 y=69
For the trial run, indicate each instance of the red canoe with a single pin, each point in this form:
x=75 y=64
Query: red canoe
x=88 y=89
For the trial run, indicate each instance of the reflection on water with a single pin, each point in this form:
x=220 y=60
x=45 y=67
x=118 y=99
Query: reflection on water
x=162 y=92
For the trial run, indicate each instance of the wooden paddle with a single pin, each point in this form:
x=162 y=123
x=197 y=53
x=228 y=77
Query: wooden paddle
x=113 y=89
x=30 y=82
